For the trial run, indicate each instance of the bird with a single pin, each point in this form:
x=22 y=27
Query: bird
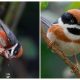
x=65 y=33
x=10 y=47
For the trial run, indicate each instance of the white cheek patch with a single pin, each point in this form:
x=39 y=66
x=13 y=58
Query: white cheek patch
x=60 y=22
x=67 y=33
x=51 y=36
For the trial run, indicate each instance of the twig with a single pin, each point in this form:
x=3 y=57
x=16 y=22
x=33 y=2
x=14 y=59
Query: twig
x=62 y=55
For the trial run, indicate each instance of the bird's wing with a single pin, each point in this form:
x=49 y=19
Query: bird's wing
x=9 y=33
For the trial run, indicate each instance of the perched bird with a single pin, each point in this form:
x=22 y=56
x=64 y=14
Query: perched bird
x=9 y=45
x=66 y=32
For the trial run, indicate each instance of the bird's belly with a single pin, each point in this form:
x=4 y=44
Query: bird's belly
x=69 y=48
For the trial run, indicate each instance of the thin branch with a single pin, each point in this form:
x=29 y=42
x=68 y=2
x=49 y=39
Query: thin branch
x=62 y=55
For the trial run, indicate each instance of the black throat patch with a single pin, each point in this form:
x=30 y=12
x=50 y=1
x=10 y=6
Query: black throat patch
x=74 y=31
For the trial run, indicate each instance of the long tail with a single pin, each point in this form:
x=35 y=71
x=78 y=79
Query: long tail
x=46 y=22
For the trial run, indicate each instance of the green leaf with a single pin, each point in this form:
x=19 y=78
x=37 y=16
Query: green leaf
x=73 y=5
x=43 y=5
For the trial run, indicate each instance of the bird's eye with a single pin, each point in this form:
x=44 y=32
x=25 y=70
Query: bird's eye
x=68 y=18
x=72 y=21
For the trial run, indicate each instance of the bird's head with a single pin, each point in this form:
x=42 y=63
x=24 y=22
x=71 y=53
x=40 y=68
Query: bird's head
x=70 y=22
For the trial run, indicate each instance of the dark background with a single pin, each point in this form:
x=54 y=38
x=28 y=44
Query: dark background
x=25 y=25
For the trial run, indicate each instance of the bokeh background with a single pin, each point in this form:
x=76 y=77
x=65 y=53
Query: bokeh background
x=23 y=19
x=51 y=65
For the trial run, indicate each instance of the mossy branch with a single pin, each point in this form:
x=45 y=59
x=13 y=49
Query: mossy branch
x=61 y=54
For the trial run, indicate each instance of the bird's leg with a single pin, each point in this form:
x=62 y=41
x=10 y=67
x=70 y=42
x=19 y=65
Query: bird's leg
x=75 y=57
x=76 y=60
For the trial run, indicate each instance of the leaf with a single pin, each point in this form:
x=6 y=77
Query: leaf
x=73 y=5
x=43 y=5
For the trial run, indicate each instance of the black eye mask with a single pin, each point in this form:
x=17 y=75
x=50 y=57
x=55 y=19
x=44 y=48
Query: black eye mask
x=74 y=31
x=68 y=18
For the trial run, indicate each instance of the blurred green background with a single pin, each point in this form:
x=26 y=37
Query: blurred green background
x=23 y=19
x=51 y=65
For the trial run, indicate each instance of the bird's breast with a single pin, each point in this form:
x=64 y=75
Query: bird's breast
x=69 y=48
x=56 y=30
x=56 y=34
